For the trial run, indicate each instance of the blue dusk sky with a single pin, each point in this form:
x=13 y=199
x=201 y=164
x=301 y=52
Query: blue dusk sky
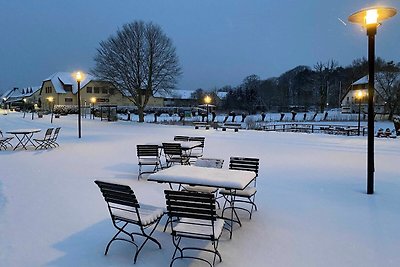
x=219 y=42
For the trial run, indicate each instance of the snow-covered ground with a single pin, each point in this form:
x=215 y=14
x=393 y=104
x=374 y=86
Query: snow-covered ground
x=313 y=209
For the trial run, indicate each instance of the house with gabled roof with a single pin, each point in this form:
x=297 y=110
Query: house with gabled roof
x=18 y=97
x=351 y=102
x=62 y=87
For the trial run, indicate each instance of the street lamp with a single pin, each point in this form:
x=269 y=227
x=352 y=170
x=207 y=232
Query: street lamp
x=51 y=99
x=78 y=77
x=371 y=18
x=359 y=96
x=92 y=101
x=207 y=100
x=24 y=100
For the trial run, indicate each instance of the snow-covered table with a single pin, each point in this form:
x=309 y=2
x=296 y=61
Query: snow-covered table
x=24 y=136
x=186 y=145
x=212 y=177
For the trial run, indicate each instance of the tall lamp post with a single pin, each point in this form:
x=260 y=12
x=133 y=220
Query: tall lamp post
x=24 y=100
x=78 y=77
x=371 y=18
x=359 y=96
x=207 y=100
x=92 y=101
x=51 y=106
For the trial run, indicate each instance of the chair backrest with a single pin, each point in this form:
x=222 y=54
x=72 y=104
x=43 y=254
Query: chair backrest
x=1 y=134
x=209 y=163
x=120 y=201
x=172 y=149
x=244 y=164
x=55 y=134
x=147 y=151
x=181 y=138
x=190 y=204
x=198 y=139
x=48 y=133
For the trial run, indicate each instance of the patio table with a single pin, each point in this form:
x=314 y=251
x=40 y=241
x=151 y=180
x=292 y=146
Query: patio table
x=24 y=137
x=211 y=177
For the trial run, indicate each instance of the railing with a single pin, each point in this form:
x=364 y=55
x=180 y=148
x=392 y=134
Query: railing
x=315 y=128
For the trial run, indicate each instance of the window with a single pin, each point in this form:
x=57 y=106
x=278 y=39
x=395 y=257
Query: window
x=104 y=90
x=48 y=90
x=68 y=100
x=68 y=88
x=96 y=90
x=111 y=91
x=89 y=90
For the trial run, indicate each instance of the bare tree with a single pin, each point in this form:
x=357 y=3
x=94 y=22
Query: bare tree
x=388 y=86
x=323 y=73
x=138 y=60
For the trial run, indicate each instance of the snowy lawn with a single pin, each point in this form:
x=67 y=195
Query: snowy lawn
x=313 y=210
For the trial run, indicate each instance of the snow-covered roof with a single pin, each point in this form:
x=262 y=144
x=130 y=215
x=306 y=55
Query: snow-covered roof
x=175 y=93
x=17 y=94
x=363 y=80
x=59 y=79
x=222 y=95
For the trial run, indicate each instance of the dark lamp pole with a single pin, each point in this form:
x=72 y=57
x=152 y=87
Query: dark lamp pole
x=78 y=79
x=370 y=18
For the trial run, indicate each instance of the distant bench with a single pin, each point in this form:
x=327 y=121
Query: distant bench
x=234 y=126
x=198 y=124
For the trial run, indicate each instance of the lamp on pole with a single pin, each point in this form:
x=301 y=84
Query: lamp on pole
x=92 y=101
x=207 y=100
x=359 y=96
x=51 y=99
x=370 y=18
x=24 y=100
x=78 y=77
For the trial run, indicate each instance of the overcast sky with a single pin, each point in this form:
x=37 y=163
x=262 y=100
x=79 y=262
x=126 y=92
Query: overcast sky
x=219 y=42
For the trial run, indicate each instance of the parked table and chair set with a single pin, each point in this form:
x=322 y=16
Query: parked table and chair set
x=25 y=139
x=192 y=207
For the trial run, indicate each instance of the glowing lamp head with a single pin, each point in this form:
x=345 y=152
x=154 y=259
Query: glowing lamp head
x=78 y=76
x=372 y=16
x=359 y=94
x=24 y=100
x=207 y=99
x=93 y=100
x=50 y=99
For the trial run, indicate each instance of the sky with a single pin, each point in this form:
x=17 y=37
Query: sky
x=218 y=42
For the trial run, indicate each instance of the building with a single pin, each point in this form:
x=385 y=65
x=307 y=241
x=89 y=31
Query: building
x=357 y=98
x=19 y=98
x=62 y=89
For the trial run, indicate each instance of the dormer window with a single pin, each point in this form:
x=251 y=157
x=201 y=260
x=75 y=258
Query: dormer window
x=68 y=88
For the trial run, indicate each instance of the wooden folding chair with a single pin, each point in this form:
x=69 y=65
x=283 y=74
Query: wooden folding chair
x=125 y=210
x=249 y=193
x=46 y=141
x=193 y=215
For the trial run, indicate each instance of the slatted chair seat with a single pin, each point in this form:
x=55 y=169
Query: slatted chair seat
x=193 y=215
x=147 y=214
x=247 y=195
x=124 y=210
x=148 y=155
x=194 y=228
x=247 y=192
x=199 y=188
x=46 y=142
